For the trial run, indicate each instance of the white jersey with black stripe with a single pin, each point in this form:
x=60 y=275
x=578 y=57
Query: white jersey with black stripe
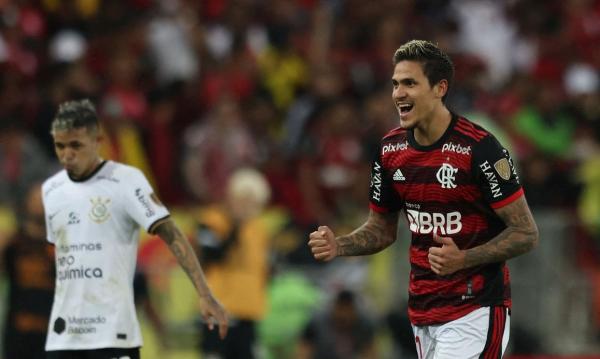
x=94 y=224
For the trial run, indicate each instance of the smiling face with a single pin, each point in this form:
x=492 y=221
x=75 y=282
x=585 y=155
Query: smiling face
x=416 y=100
x=77 y=150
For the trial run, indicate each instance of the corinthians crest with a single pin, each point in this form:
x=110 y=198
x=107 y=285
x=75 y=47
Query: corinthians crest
x=446 y=176
x=99 y=212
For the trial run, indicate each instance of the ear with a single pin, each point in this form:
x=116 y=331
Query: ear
x=441 y=88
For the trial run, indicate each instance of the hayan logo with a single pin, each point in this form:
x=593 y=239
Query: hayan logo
x=491 y=178
x=376 y=182
x=446 y=176
x=99 y=212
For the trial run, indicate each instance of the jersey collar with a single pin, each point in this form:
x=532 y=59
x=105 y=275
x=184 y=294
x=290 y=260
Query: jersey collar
x=437 y=144
x=83 y=179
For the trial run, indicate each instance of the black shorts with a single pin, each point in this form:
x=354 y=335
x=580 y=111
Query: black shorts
x=104 y=353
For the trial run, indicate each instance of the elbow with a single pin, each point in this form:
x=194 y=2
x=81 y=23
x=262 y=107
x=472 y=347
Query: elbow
x=533 y=236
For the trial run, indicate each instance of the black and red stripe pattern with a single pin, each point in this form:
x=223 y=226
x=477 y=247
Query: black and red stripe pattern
x=493 y=344
x=451 y=187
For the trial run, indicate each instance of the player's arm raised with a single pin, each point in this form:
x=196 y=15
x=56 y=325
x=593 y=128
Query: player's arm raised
x=376 y=234
x=183 y=251
x=520 y=236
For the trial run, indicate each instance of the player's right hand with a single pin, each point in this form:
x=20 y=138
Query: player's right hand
x=322 y=244
x=212 y=311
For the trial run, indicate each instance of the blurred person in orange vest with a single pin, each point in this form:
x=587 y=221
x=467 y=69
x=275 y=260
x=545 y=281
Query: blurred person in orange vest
x=28 y=262
x=233 y=241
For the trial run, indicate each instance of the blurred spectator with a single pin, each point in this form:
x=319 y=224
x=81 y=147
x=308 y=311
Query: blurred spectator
x=544 y=122
x=342 y=331
x=292 y=300
x=233 y=242
x=170 y=37
x=332 y=162
x=122 y=138
x=28 y=261
x=214 y=148
x=22 y=161
x=164 y=148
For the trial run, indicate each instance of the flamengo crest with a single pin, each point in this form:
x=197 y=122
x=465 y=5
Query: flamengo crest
x=446 y=176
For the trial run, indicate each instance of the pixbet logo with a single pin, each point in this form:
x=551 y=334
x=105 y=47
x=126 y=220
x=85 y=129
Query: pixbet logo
x=393 y=147
x=440 y=223
x=456 y=148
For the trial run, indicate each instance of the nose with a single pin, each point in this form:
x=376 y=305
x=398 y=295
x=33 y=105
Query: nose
x=67 y=156
x=398 y=92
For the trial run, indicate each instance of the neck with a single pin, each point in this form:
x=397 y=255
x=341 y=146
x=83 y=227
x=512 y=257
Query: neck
x=432 y=129
x=92 y=168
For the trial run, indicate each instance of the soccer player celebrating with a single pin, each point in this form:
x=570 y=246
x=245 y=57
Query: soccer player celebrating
x=465 y=208
x=93 y=211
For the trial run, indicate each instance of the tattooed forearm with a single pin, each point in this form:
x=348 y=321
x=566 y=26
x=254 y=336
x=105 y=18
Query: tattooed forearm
x=375 y=235
x=184 y=253
x=520 y=236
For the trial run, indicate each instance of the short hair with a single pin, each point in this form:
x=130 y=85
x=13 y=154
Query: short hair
x=75 y=114
x=436 y=64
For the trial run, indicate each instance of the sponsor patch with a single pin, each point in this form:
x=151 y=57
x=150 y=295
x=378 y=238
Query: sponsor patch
x=503 y=169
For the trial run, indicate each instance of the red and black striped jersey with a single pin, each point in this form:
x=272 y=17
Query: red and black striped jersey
x=452 y=188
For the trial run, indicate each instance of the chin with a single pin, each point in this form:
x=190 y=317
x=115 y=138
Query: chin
x=407 y=124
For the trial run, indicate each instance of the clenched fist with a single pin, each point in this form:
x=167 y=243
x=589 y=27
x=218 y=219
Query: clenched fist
x=322 y=244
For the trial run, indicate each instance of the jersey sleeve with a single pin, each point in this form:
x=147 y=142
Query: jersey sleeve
x=382 y=196
x=141 y=203
x=47 y=216
x=495 y=173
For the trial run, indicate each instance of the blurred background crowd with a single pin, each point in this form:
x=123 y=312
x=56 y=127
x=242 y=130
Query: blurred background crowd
x=256 y=121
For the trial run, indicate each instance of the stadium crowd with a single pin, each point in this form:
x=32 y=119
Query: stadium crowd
x=192 y=91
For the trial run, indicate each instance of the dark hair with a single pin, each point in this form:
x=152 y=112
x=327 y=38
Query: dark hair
x=436 y=64
x=75 y=114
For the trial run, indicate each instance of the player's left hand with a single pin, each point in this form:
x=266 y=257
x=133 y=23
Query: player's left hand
x=212 y=311
x=446 y=259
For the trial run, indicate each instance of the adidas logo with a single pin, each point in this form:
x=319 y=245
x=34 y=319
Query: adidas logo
x=398 y=176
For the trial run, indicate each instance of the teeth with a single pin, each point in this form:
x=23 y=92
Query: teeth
x=405 y=107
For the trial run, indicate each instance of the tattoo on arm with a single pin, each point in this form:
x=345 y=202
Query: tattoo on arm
x=184 y=253
x=520 y=236
x=376 y=234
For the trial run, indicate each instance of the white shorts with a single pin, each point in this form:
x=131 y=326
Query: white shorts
x=483 y=333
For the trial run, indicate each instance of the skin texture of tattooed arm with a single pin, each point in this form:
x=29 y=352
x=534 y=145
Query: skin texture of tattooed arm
x=520 y=236
x=376 y=234
x=184 y=253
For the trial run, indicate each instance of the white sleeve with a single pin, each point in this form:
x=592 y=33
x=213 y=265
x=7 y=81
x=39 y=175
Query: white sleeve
x=49 y=232
x=141 y=203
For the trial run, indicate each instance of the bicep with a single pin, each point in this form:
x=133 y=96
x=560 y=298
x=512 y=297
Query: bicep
x=518 y=215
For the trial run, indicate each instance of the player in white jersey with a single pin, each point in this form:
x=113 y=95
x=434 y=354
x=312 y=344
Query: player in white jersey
x=94 y=209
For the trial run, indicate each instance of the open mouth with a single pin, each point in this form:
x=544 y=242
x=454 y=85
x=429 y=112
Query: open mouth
x=405 y=108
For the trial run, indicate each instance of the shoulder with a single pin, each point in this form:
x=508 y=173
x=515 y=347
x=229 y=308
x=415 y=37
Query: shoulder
x=54 y=182
x=395 y=133
x=122 y=171
x=472 y=131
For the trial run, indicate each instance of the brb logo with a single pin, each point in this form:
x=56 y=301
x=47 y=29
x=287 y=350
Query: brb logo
x=440 y=223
